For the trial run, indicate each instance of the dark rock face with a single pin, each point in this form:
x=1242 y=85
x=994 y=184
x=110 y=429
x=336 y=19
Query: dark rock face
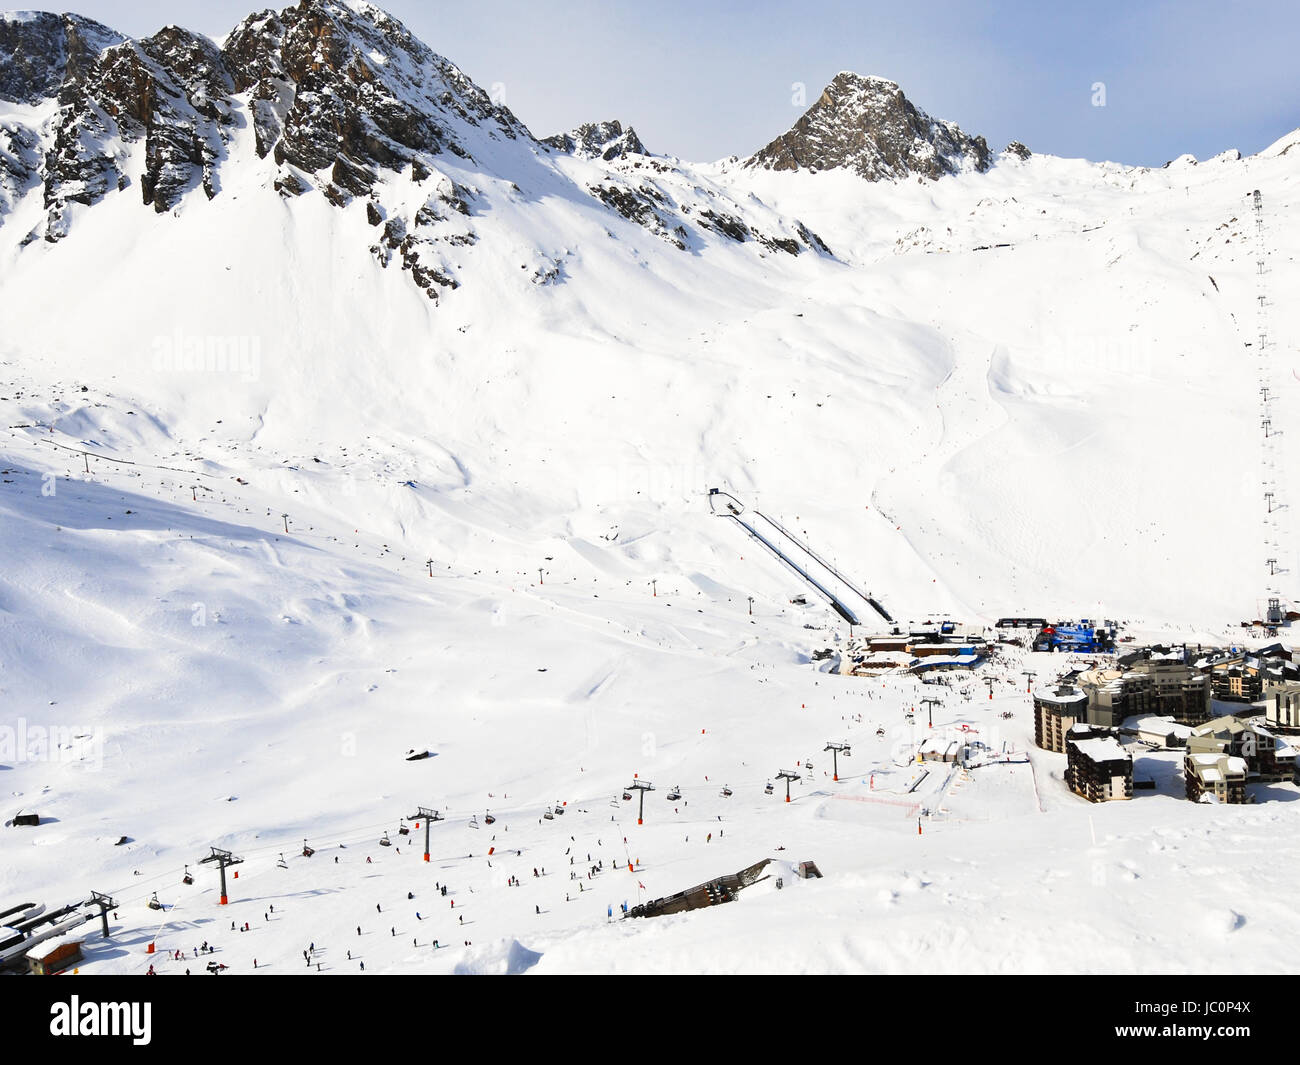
x=868 y=126
x=598 y=140
x=725 y=224
x=43 y=56
x=1018 y=150
x=20 y=162
x=39 y=52
x=355 y=92
x=644 y=206
x=342 y=101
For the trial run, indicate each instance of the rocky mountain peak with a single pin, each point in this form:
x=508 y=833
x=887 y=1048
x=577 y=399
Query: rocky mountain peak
x=865 y=124
x=599 y=140
x=41 y=51
x=342 y=102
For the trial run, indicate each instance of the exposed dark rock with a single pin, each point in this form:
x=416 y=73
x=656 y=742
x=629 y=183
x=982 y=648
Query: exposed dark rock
x=20 y=162
x=603 y=140
x=868 y=126
x=40 y=52
x=637 y=207
x=725 y=224
x=812 y=239
x=289 y=184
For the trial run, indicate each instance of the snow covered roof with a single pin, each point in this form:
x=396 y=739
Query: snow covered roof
x=930 y=661
x=1060 y=693
x=1165 y=726
x=1102 y=749
x=47 y=947
x=1214 y=767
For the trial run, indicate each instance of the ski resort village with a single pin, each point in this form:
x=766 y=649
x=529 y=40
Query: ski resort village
x=432 y=545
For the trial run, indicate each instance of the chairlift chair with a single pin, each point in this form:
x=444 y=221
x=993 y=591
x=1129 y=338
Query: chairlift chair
x=154 y=904
x=403 y=831
x=385 y=842
x=674 y=795
x=307 y=851
x=559 y=808
x=807 y=763
x=187 y=878
x=473 y=821
x=726 y=792
x=549 y=816
x=769 y=788
x=627 y=796
x=489 y=819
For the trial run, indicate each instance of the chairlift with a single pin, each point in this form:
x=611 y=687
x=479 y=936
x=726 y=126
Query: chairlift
x=549 y=816
x=403 y=831
x=307 y=851
x=473 y=821
x=725 y=793
x=187 y=878
x=769 y=788
x=385 y=842
x=154 y=904
x=627 y=796
x=674 y=795
x=807 y=762
x=559 y=808
x=489 y=819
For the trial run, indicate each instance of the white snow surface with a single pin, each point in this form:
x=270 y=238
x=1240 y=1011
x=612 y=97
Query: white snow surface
x=1066 y=425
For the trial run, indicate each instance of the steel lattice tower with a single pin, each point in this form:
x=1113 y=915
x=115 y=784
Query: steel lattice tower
x=1270 y=452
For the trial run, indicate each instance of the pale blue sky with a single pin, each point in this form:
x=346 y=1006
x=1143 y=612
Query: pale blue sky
x=706 y=80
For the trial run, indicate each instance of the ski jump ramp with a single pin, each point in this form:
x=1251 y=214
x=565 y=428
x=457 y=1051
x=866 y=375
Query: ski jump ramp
x=844 y=596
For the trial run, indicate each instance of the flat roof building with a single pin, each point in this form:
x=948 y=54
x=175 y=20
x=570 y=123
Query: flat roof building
x=1057 y=709
x=1098 y=767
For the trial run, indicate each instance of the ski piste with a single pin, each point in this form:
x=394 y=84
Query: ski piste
x=816 y=570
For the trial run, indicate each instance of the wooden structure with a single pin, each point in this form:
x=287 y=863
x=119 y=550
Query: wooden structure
x=49 y=958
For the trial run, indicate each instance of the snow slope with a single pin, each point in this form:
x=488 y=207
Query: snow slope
x=1017 y=392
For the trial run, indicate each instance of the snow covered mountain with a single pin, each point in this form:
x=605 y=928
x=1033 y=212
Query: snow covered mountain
x=339 y=97
x=344 y=417
x=608 y=140
x=867 y=125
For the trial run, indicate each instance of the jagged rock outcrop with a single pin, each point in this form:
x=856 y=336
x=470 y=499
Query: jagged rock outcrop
x=867 y=125
x=20 y=162
x=598 y=140
x=1018 y=150
x=40 y=52
x=350 y=89
x=342 y=102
